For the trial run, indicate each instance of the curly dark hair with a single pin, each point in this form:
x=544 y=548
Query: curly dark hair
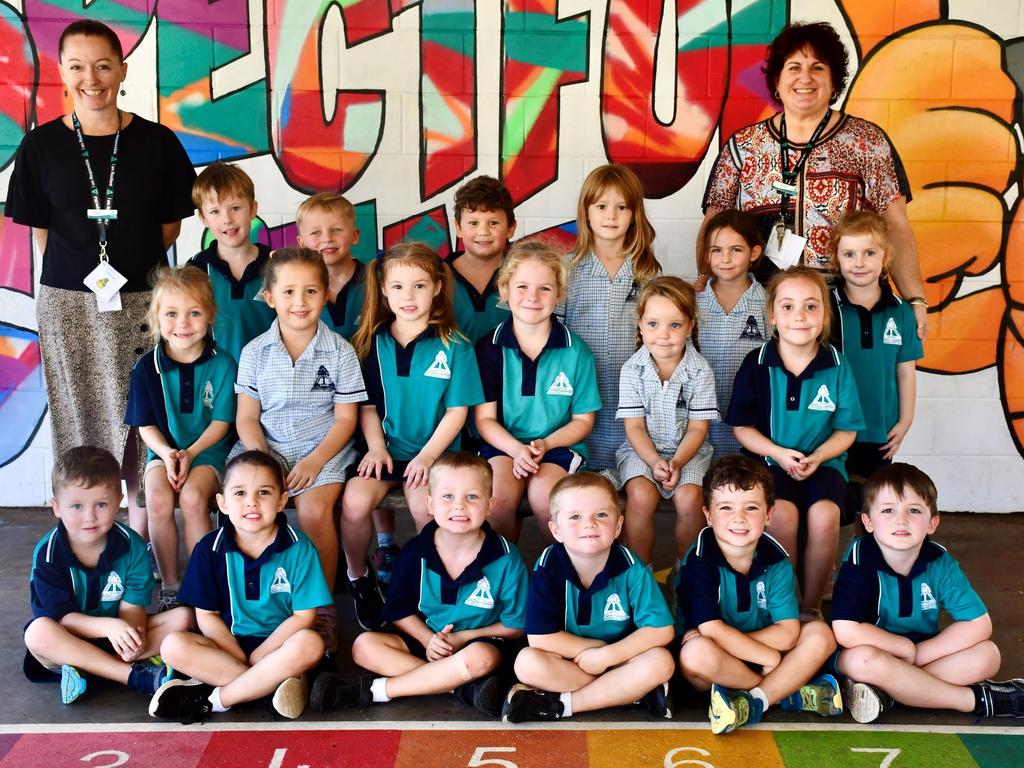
x=818 y=36
x=484 y=193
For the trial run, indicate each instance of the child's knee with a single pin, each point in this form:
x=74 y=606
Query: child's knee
x=697 y=655
x=41 y=633
x=304 y=649
x=863 y=662
x=176 y=647
x=660 y=664
x=818 y=636
x=479 y=659
x=529 y=666
x=194 y=501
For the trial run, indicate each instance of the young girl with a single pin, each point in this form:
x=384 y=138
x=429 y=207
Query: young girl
x=612 y=260
x=666 y=400
x=422 y=378
x=878 y=335
x=795 y=403
x=731 y=308
x=298 y=385
x=181 y=397
x=540 y=389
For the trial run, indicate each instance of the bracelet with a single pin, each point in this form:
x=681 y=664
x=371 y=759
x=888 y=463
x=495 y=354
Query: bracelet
x=920 y=301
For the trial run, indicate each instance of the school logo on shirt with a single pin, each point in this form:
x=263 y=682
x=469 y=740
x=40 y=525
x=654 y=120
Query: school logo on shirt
x=822 y=401
x=751 y=331
x=208 y=395
x=613 y=609
x=762 y=595
x=892 y=333
x=322 y=381
x=927 y=598
x=439 y=368
x=280 y=582
x=481 y=597
x=113 y=590
x=561 y=385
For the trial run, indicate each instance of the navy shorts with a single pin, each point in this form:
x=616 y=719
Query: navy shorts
x=827 y=483
x=395 y=476
x=566 y=458
x=508 y=649
x=864 y=458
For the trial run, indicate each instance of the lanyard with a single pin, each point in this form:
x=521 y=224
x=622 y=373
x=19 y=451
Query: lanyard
x=788 y=187
x=107 y=201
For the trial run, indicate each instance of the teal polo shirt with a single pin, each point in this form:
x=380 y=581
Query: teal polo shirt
x=709 y=589
x=875 y=341
x=536 y=397
x=798 y=412
x=868 y=591
x=490 y=590
x=59 y=584
x=242 y=313
x=342 y=314
x=476 y=313
x=623 y=597
x=181 y=399
x=412 y=386
x=254 y=596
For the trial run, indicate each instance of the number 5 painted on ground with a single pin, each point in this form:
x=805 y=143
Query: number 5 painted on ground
x=120 y=758
x=670 y=757
x=480 y=758
x=890 y=754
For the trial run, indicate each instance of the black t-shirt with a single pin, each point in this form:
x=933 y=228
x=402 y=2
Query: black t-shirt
x=49 y=189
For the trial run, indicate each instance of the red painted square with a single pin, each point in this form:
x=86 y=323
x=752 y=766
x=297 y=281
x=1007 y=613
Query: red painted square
x=182 y=749
x=316 y=749
x=493 y=749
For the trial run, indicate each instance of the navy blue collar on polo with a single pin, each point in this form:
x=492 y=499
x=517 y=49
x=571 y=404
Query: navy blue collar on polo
x=187 y=372
x=559 y=561
x=226 y=543
x=869 y=555
x=338 y=308
x=476 y=298
x=253 y=270
x=767 y=552
x=63 y=556
x=492 y=548
x=558 y=338
x=885 y=302
x=824 y=359
x=403 y=355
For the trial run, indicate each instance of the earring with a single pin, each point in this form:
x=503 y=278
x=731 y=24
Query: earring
x=122 y=91
x=65 y=93
x=776 y=95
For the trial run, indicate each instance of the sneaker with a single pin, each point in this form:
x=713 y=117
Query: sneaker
x=168 y=601
x=731 y=709
x=147 y=676
x=72 y=684
x=820 y=695
x=1000 y=699
x=866 y=702
x=152 y=562
x=187 y=701
x=524 y=703
x=656 y=702
x=325 y=624
x=291 y=697
x=384 y=561
x=486 y=695
x=367 y=599
x=334 y=691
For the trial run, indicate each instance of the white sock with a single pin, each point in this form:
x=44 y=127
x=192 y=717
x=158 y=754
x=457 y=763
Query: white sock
x=379 y=690
x=566 y=699
x=758 y=694
x=353 y=578
x=215 y=701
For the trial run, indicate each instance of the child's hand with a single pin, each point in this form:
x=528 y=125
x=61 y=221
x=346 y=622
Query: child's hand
x=304 y=473
x=170 y=460
x=418 y=470
x=896 y=435
x=807 y=467
x=374 y=462
x=524 y=464
x=788 y=459
x=672 y=480
x=439 y=647
x=184 y=459
x=124 y=638
x=591 y=661
x=661 y=470
x=690 y=634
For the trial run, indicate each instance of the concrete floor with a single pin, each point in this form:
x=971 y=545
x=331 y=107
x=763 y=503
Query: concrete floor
x=988 y=547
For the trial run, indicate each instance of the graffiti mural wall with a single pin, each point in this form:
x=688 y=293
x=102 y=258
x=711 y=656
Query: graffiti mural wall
x=394 y=103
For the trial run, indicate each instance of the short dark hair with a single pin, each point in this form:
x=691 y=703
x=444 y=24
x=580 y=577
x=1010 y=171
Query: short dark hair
x=87 y=466
x=456 y=460
x=821 y=38
x=484 y=193
x=740 y=472
x=900 y=477
x=256 y=459
x=90 y=28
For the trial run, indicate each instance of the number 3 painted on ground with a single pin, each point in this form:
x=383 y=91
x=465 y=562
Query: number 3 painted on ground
x=480 y=758
x=890 y=754
x=671 y=762
x=120 y=758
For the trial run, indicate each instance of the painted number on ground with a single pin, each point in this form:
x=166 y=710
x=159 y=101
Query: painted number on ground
x=677 y=757
x=480 y=758
x=890 y=754
x=119 y=757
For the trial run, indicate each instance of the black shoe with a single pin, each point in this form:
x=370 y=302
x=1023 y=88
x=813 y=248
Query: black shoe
x=367 y=599
x=524 y=703
x=334 y=691
x=486 y=695
x=656 y=702
x=187 y=701
x=1000 y=699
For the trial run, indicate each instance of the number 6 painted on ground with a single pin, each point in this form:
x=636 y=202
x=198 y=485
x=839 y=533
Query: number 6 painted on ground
x=890 y=754
x=480 y=758
x=670 y=757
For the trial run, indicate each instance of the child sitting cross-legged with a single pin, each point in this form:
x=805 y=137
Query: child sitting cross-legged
x=737 y=595
x=255 y=584
x=596 y=620
x=456 y=605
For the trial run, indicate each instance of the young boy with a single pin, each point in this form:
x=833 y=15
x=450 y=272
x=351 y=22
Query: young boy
x=226 y=200
x=90 y=585
x=886 y=605
x=485 y=220
x=255 y=584
x=596 y=620
x=737 y=593
x=457 y=603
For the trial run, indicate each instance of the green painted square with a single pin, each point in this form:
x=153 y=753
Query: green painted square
x=813 y=749
x=994 y=750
